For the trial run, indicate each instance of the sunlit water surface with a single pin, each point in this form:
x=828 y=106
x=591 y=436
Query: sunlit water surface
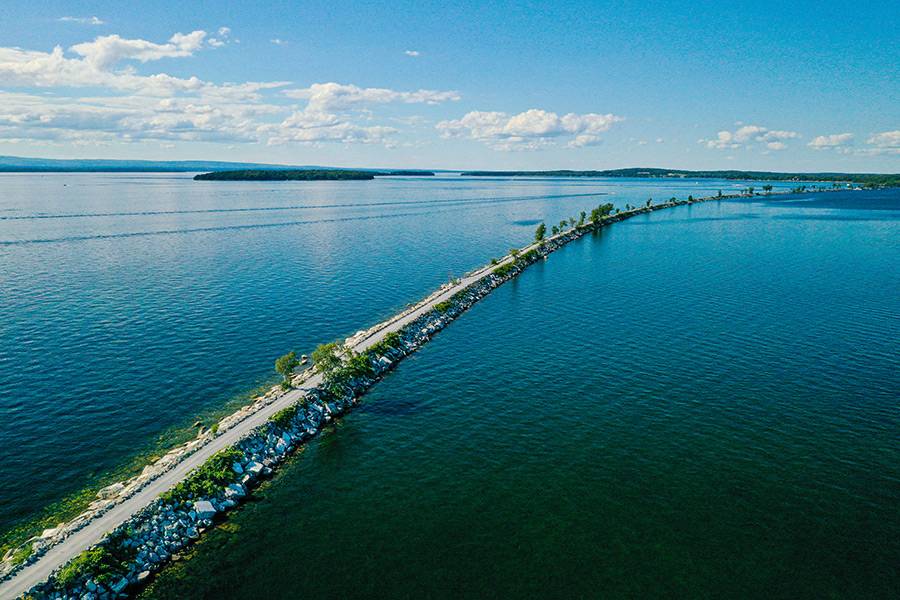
x=698 y=402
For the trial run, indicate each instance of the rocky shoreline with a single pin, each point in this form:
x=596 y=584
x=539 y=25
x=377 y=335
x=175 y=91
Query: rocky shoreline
x=129 y=555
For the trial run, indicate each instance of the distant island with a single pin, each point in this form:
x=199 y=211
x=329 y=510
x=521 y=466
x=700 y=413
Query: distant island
x=286 y=175
x=303 y=175
x=406 y=173
x=869 y=179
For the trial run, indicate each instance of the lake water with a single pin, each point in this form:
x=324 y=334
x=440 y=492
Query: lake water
x=702 y=401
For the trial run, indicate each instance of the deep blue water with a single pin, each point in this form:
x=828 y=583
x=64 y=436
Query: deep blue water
x=701 y=402
x=697 y=403
x=130 y=304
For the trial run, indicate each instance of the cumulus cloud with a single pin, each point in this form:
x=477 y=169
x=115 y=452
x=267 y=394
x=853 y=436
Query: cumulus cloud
x=832 y=141
x=82 y=20
x=98 y=97
x=278 y=42
x=29 y=68
x=313 y=127
x=325 y=116
x=217 y=42
x=529 y=130
x=746 y=135
x=886 y=142
x=412 y=53
x=336 y=96
x=108 y=50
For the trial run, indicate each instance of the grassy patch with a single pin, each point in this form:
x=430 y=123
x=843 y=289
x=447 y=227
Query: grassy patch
x=504 y=270
x=208 y=479
x=104 y=563
x=390 y=342
x=284 y=417
x=444 y=306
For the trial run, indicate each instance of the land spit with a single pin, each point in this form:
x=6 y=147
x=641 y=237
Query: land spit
x=136 y=527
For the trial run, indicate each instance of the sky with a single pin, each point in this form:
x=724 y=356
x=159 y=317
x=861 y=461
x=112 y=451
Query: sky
x=787 y=86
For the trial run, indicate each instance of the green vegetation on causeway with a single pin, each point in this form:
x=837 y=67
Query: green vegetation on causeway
x=285 y=175
x=867 y=179
x=207 y=480
x=285 y=366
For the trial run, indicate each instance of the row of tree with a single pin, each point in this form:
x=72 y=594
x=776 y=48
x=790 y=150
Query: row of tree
x=598 y=213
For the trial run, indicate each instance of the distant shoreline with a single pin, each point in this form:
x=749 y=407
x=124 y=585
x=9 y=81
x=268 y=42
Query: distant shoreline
x=867 y=179
x=16 y=164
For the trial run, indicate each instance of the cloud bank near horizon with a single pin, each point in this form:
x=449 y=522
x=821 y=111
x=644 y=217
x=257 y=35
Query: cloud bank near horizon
x=106 y=91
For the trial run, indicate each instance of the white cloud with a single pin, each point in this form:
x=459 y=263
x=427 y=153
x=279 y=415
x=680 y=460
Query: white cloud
x=123 y=105
x=311 y=127
x=325 y=116
x=217 y=42
x=278 y=42
x=108 y=50
x=336 y=96
x=413 y=53
x=835 y=141
x=529 y=130
x=886 y=142
x=83 y=20
x=747 y=135
x=29 y=68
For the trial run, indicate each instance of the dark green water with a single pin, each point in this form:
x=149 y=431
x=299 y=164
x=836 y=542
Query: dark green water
x=697 y=403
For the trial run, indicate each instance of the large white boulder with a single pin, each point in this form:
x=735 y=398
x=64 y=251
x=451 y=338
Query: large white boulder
x=236 y=490
x=205 y=509
x=111 y=491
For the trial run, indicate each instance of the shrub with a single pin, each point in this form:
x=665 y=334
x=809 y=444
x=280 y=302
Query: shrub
x=504 y=270
x=327 y=357
x=285 y=365
x=22 y=554
x=104 y=562
x=93 y=561
x=444 y=306
x=284 y=417
x=359 y=366
x=207 y=479
x=390 y=342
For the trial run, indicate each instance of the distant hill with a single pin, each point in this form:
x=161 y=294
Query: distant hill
x=876 y=179
x=20 y=164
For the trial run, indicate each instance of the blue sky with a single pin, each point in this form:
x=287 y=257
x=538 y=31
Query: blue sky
x=779 y=86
